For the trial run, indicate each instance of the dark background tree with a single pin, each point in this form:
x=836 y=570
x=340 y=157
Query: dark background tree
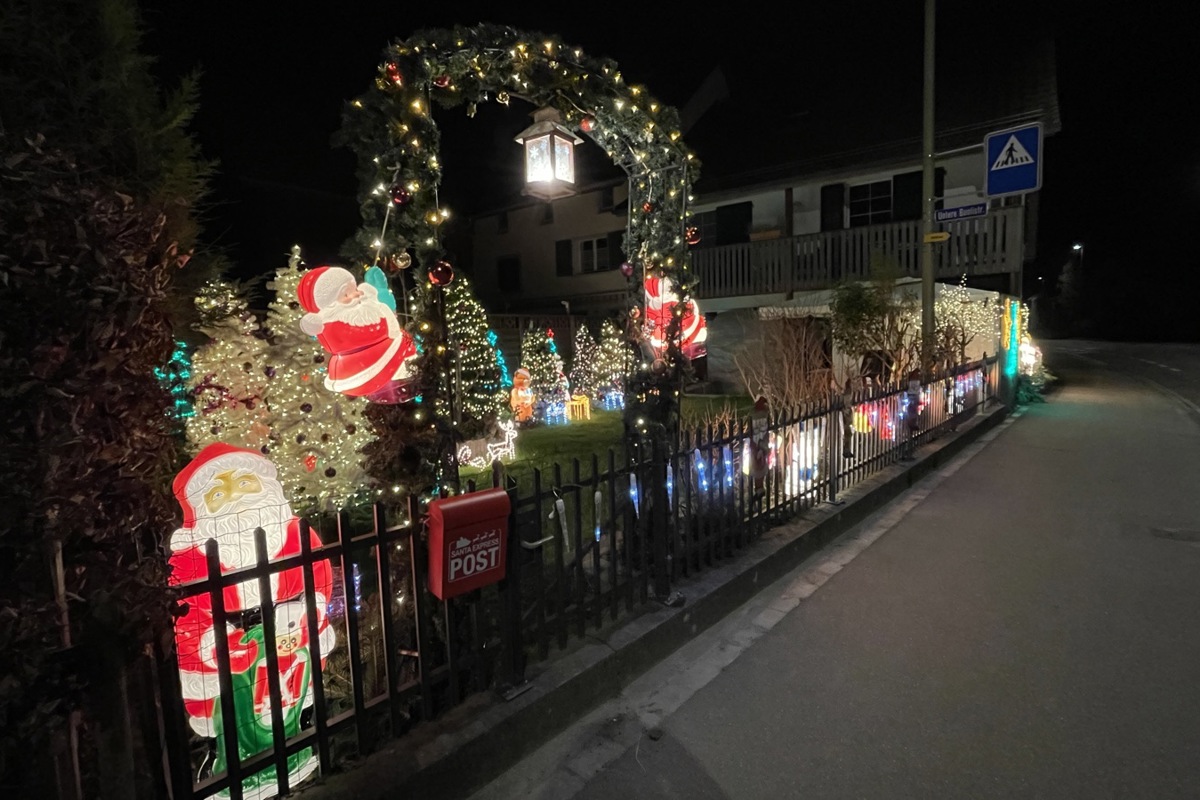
x=100 y=185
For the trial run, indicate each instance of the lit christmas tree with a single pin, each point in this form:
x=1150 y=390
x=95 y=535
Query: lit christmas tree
x=539 y=355
x=176 y=377
x=477 y=377
x=614 y=363
x=584 y=363
x=316 y=435
x=227 y=382
x=505 y=377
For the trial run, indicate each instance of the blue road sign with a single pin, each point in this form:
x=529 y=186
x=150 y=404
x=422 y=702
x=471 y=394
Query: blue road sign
x=1014 y=160
x=962 y=212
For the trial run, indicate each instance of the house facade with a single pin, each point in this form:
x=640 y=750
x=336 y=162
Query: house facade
x=789 y=205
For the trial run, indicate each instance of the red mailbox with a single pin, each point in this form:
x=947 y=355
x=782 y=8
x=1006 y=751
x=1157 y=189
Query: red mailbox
x=468 y=537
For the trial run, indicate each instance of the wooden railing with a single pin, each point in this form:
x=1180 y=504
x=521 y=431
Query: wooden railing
x=988 y=245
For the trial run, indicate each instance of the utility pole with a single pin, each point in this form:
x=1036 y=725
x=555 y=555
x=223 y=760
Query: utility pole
x=927 y=189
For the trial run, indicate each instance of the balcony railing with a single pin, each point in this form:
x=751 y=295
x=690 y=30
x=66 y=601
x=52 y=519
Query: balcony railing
x=988 y=245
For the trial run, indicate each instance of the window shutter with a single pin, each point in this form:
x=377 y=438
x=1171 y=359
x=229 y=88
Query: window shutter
x=733 y=223
x=563 y=264
x=508 y=269
x=615 y=256
x=833 y=205
x=907 y=203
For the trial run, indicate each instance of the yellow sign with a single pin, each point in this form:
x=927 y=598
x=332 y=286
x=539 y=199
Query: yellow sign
x=937 y=236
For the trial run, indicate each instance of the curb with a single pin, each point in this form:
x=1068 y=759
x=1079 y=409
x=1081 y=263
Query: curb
x=472 y=744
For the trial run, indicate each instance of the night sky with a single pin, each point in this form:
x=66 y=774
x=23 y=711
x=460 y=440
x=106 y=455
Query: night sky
x=1123 y=176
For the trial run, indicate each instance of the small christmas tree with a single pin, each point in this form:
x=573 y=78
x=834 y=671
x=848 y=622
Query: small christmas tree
x=227 y=383
x=539 y=355
x=477 y=379
x=317 y=435
x=176 y=378
x=584 y=363
x=615 y=362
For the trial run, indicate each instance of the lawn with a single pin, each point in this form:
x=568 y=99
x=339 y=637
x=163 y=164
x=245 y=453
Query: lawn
x=540 y=447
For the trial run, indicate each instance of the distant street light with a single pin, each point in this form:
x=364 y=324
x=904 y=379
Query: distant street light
x=1078 y=248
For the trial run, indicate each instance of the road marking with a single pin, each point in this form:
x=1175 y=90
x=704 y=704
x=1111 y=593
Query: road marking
x=1164 y=366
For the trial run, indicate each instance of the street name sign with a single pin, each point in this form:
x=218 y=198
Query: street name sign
x=962 y=212
x=1013 y=160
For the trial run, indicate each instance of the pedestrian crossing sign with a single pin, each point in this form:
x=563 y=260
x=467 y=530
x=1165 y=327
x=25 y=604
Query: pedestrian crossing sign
x=1013 y=160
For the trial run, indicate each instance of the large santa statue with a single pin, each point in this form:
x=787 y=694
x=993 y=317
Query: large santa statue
x=226 y=493
x=661 y=303
x=371 y=355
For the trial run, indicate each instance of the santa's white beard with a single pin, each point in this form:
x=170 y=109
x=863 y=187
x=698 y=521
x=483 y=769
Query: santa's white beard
x=367 y=310
x=233 y=527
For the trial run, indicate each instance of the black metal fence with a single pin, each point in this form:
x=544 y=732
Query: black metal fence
x=589 y=544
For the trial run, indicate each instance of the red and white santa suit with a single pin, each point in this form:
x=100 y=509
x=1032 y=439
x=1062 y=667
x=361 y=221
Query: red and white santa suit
x=661 y=301
x=227 y=492
x=368 y=347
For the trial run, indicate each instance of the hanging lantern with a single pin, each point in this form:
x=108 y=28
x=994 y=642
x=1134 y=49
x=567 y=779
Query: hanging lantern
x=549 y=156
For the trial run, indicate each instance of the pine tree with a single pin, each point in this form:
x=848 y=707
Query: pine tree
x=584 y=363
x=476 y=380
x=539 y=355
x=317 y=435
x=615 y=362
x=228 y=382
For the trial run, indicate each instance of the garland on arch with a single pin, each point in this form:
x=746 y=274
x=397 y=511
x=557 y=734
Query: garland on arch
x=392 y=132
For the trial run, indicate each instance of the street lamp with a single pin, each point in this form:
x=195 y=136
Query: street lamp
x=549 y=156
x=1078 y=248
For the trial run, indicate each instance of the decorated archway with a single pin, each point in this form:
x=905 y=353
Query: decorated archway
x=393 y=133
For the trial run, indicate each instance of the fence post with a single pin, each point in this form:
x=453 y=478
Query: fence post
x=835 y=444
x=658 y=517
x=512 y=666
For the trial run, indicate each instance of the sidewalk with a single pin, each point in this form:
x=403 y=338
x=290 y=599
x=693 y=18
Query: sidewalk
x=454 y=755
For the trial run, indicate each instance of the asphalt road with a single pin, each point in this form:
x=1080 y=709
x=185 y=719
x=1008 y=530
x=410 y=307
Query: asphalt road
x=1025 y=623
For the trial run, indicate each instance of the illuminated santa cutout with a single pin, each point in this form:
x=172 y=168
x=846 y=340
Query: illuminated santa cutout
x=371 y=355
x=661 y=305
x=226 y=493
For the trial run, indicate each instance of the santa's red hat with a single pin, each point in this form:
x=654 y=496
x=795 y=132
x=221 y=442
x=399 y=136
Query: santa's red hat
x=192 y=481
x=320 y=286
x=659 y=290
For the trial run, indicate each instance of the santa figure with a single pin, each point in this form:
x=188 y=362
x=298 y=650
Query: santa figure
x=661 y=306
x=226 y=493
x=371 y=355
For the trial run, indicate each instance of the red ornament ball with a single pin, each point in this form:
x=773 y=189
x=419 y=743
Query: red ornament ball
x=692 y=235
x=441 y=81
x=310 y=462
x=588 y=123
x=392 y=71
x=441 y=273
x=401 y=196
x=627 y=269
x=648 y=207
